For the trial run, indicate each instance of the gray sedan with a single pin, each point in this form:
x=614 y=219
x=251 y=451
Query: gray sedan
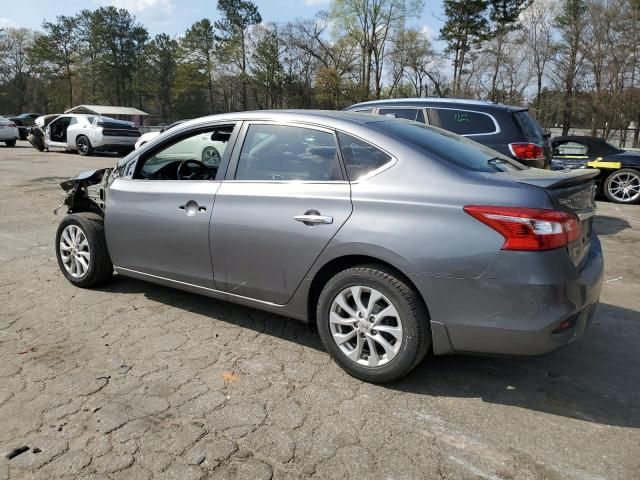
x=394 y=237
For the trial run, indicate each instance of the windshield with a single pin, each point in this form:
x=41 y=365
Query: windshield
x=448 y=146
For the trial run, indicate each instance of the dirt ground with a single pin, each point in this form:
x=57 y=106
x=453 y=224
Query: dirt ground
x=139 y=381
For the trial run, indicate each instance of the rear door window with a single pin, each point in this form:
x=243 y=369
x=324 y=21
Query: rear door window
x=360 y=157
x=288 y=153
x=464 y=122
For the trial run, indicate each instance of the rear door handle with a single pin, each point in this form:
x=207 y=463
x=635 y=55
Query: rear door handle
x=313 y=217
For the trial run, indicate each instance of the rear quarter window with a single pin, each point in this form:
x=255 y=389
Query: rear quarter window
x=528 y=125
x=464 y=122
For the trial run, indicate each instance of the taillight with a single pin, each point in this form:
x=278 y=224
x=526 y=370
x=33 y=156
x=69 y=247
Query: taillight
x=527 y=151
x=12 y=125
x=528 y=228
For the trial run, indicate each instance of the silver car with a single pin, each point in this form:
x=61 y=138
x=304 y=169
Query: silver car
x=394 y=237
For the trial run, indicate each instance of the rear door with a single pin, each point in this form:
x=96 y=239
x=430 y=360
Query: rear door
x=284 y=198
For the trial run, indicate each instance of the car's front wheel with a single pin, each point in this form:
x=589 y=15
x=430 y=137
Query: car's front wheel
x=10 y=143
x=83 y=144
x=373 y=323
x=81 y=250
x=623 y=186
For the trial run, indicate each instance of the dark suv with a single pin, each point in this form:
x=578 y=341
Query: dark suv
x=509 y=130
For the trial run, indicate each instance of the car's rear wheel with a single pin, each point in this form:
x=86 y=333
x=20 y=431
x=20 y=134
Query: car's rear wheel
x=10 y=143
x=83 y=145
x=81 y=250
x=210 y=156
x=373 y=323
x=623 y=186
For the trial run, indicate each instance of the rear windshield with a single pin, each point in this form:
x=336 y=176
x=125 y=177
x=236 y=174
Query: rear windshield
x=448 y=146
x=528 y=125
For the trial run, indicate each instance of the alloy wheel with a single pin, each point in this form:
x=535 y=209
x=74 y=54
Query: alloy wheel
x=83 y=145
x=365 y=326
x=210 y=156
x=625 y=187
x=74 y=251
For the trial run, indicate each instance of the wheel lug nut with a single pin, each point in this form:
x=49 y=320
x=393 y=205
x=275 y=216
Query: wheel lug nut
x=371 y=318
x=374 y=332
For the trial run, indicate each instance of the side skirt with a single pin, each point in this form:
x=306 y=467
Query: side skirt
x=212 y=293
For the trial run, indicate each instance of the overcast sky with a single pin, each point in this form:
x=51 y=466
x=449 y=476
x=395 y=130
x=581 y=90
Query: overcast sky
x=175 y=16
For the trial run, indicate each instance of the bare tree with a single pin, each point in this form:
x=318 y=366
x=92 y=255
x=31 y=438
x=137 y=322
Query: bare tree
x=569 y=59
x=537 y=23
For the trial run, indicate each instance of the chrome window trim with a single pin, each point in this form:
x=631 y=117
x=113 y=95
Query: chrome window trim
x=192 y=285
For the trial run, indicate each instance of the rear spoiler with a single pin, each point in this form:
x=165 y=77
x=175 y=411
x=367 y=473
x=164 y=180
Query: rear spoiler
x=565 y=179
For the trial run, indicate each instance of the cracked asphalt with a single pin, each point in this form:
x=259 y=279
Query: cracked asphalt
x=138 y=381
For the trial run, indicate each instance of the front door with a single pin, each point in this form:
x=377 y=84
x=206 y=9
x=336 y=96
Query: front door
x=157 y=220
x=284 y=199
x=55 y=134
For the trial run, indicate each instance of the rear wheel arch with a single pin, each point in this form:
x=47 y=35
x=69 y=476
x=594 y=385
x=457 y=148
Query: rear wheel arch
x=338 y=264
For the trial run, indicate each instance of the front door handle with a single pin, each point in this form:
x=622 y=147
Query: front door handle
x=191 y=208
x=313 y=217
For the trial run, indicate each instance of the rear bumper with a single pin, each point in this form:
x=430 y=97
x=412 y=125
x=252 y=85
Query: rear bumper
x=517 y=305
x=8 y=134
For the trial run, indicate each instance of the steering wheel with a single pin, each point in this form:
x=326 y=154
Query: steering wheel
x=192 y=170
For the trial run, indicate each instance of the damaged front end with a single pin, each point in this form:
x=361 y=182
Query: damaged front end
x=86 y=192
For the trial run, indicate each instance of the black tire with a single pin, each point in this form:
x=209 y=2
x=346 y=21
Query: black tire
x=416 y=331
x=83 y=144
x=612 y=184
x=10 y=143
x=100 y=268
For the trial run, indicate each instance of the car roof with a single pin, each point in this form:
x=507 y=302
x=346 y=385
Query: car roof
x=438 y=101
x=319 y=117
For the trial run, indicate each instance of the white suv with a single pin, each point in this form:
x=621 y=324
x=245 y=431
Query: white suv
x=89 y=133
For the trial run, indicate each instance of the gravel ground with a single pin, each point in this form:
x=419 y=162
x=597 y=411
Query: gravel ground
x=139 y=381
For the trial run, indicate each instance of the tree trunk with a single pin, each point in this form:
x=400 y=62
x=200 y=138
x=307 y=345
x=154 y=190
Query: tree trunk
x=538 y=99
x=70 y=86
x=496 y=68
x=244 y=73
x=210 y=84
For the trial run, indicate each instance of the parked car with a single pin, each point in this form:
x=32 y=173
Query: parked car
x=25 y=121
x=356 y=222
x=508 y=130
x=619 y=177
x=8 y=132
x=84 y=133
x=147 y=137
